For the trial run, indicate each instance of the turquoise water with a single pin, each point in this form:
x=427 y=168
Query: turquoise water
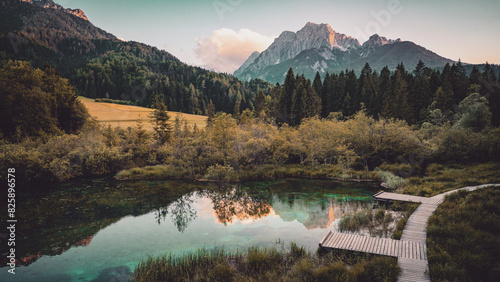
x=99 y=230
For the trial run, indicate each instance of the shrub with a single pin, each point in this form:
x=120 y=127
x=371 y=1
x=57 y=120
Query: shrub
x=390 y=180
x=221 y=173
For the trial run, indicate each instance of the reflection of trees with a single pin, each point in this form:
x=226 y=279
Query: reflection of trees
x=235 y=203
x=181 y=212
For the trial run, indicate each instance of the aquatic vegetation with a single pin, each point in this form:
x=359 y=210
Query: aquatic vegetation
x=267 y=264
x=378 y=223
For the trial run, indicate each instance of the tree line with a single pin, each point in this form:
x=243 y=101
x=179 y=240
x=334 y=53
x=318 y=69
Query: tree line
x=422 y=95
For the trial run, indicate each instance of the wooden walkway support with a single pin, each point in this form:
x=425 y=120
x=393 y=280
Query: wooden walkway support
x=411 y=250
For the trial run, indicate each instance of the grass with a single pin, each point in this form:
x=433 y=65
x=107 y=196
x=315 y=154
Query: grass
x=441 y=178
x=390 y=180
x=267 y=264
x=267 y=171
x=463 y=237
x=124 y=116
x=153 y=172
x=379 y=222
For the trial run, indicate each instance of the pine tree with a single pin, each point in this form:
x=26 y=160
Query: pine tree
x=420 y=95
x=325 y=98
x=260 y=104
x=399 y=105
x=317 y=85
x=298 y=102
x=161 y=126
x=236 y=111
x=459 y=82
x=384 y=90
x=286 y=99
x=210 y=112
x=312 y=103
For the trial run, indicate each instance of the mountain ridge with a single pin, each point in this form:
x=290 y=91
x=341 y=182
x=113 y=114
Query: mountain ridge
x=51 y=5
x=341 y=52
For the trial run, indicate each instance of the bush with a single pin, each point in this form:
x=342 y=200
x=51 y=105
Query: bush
x=221 y=173
x=390 y=180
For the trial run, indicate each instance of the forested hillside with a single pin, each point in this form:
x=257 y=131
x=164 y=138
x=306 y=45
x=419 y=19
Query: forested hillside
x=103 y=66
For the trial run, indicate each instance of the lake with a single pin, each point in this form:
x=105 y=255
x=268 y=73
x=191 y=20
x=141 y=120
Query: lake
x=99 y=230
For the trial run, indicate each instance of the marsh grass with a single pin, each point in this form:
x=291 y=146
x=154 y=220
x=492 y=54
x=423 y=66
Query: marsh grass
x=153 y=172
x=378 y=223
x=442 y=178
x=225 y=173
x=463 y=237
x=268 y=264
x=390 y=180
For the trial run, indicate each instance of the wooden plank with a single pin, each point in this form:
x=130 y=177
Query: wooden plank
x=324 y=237
x=343 y=242
x=349 y=242
x=383 y=247
x=393 y=248
x=328 y=242
x=363 y=245
x=359 y=247
x=370 y=245
x=379 y=246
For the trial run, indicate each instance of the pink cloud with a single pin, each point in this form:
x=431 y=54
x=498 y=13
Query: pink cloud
x=227 y=49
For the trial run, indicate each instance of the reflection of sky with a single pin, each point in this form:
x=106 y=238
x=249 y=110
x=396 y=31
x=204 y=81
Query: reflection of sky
x=133 y=239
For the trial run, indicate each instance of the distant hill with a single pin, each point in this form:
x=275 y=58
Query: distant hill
x=103 y=66
x=318 y=48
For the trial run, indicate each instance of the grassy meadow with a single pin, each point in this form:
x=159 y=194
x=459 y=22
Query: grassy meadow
x=124 y=116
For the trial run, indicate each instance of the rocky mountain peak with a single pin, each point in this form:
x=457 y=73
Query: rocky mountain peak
x=289 y=44
x=377 y=40
x=49 y=4
x=324 y=35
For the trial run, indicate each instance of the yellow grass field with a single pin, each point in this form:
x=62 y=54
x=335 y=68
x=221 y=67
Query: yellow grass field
x=124 y=116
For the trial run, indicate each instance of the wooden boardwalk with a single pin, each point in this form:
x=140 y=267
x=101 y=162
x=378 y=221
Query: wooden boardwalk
x=411 y=250
x=372 y=245
x=385 y=196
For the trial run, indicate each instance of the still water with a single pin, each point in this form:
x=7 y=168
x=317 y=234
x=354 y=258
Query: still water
x=99 y=230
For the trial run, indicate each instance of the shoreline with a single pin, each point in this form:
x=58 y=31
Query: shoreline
x=165 y=172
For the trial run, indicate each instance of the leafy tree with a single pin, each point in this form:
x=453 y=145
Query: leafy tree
x=35 y=103
x=475 y=112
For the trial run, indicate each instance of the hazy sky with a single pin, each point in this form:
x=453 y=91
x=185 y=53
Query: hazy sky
x=221 y=34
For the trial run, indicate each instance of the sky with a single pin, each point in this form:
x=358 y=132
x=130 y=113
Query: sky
x=220 y=34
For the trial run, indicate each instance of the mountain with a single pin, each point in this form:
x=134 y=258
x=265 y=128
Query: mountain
x=318 y=48
x=101 y=65
x=50 y=4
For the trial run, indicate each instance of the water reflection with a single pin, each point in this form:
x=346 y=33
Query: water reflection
x=236 y=204
x=181 y=212
x=232 y=203
x=109 y=226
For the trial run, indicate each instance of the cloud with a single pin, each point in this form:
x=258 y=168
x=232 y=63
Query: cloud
x=226 y=50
